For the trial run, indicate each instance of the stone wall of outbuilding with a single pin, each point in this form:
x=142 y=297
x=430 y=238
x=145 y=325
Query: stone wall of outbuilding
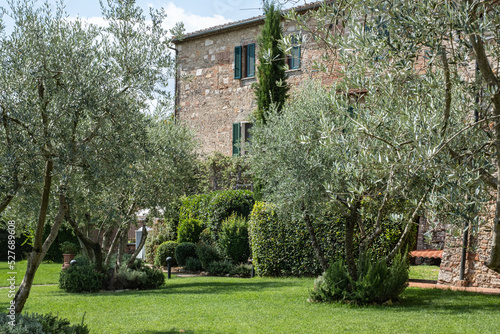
x=476 y=274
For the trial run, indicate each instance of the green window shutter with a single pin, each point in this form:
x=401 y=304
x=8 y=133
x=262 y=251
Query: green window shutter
x=250 y=61
x=237 y=62
x=236 y=138
x=295 y=56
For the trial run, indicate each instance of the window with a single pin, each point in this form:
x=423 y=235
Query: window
x=241 y=137
x=244 y=61
x=293 y=60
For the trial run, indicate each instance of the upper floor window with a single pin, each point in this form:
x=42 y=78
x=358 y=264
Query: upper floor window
x=244 y=61
x=293 y=60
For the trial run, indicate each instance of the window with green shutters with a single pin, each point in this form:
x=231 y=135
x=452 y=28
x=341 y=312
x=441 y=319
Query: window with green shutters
x=237 y=62
x=294 y=58
x=236 y=138
x=244 y=61
x=250 y=60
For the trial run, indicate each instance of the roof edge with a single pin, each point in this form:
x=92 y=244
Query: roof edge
x=242 y=23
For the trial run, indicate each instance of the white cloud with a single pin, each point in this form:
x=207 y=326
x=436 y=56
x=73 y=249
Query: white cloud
x=192 y=22
x=176 y=14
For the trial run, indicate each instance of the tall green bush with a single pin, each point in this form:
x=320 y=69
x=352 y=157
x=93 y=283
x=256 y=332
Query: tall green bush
x=189 y=230
x=185 y=251
x=233 y=239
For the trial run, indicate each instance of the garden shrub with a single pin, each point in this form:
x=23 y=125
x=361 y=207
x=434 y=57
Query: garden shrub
x=233 y=239
x=184 y=251
x=40 y=324
x=139 y=276
x=189 y=230
x=193 y=264
x=81 y=277
x=160 y=233
x=241 y=270
x=205 y=236
x=220 y=268
x=166 y=249
x=283 y=248
x=207 y=254
x=214 y=207
x=377 y=282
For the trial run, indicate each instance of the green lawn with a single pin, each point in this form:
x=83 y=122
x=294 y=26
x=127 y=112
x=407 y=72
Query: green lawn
x=424 y=272
x=262 y=305
x=47 y=273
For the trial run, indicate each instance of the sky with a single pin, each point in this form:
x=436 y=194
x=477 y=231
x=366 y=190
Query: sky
x=196 y=14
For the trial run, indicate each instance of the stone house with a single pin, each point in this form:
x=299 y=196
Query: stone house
x=216 y=70
x=214 y=96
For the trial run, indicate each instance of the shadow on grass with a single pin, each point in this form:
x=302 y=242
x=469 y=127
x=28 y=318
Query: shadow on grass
x=170 y=331
x=188 y=287
x=446 y=301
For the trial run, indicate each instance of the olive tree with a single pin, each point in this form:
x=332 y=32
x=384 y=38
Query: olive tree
x=72 y=100
x=457 y=44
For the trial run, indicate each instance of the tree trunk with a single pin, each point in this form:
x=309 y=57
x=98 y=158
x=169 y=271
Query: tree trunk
x=138 y=247
x=89 y=244
x=38 y=253
x=351 y=222
x=314 y=241
x=112 y=247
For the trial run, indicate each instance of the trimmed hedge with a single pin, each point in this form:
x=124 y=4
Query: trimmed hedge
x=283 y=248
x=214 y=207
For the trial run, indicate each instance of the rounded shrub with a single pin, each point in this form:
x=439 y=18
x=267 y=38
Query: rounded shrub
x=233 y=239
x=207 y=254
x=189 y=230
x=166 y=249
x=184 y=251
x=81 y=277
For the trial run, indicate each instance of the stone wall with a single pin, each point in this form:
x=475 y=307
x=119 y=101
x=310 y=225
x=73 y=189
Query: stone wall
x=476 y=273
x=210 y=99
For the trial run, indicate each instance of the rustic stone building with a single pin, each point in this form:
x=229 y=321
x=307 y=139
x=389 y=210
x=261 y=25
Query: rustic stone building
x=216 y=70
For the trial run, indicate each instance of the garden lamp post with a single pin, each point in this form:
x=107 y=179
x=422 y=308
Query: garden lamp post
x=169 y=260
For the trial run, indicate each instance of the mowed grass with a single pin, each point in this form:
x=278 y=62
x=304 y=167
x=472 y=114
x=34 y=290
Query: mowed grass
x=424 y=272
x=47 y=273
x=262 y=305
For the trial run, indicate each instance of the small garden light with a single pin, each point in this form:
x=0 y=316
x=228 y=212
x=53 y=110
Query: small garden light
x=169 y=260
x=72 y=262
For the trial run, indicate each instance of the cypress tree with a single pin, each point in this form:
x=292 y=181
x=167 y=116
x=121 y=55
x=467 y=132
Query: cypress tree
x=272 y=87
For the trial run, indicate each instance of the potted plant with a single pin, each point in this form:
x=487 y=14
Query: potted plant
x=69 y=250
